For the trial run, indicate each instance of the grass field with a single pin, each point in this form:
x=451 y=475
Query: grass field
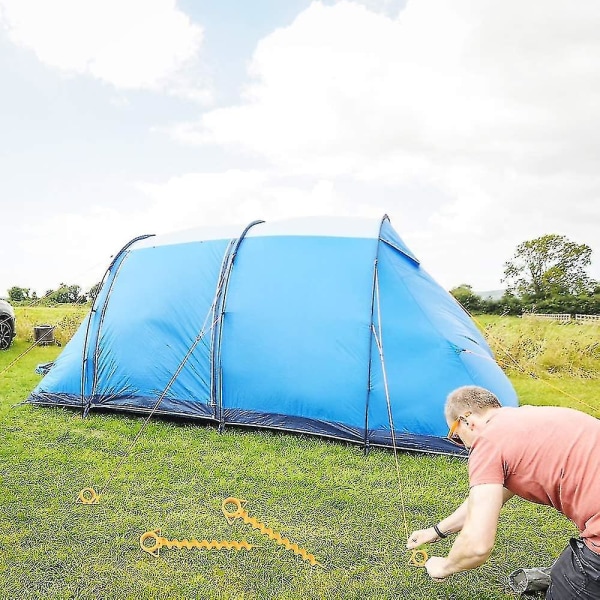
x=341 y=506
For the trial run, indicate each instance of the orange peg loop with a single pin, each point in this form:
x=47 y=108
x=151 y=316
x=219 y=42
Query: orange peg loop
x=239 y=511
x=88 y=496
x=154 y=535
x=418 y=558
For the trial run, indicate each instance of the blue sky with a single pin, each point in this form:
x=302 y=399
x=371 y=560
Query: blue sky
x=473 y=124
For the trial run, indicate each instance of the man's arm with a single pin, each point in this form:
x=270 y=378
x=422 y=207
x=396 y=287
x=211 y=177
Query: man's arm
x=475 y=542
x=451 y=524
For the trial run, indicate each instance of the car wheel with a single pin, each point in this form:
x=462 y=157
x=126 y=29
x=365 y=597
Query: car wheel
x=6 y=334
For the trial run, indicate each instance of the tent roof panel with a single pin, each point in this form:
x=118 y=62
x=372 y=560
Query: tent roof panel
x=352 y=227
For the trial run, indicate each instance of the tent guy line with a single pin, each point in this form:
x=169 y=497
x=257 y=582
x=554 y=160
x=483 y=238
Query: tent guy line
x=89 y=495
x=418 y=557
x=161 y=397
x=593 y=410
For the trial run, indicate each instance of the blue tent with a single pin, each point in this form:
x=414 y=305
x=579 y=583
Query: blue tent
x=327 y=326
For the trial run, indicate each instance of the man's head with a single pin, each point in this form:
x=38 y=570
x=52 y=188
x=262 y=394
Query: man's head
x=464 y=409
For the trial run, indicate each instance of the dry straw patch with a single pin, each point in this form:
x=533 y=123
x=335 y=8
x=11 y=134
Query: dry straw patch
x=539 y=347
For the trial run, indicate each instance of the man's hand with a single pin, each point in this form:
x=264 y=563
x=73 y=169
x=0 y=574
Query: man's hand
x=437 y=568
x=420 y=537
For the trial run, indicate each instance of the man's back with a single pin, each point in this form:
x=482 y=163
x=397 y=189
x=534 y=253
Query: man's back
x=548 y=455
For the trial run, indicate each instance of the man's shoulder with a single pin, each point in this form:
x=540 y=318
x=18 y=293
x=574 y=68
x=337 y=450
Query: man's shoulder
x=530 y=411
x=514 y=429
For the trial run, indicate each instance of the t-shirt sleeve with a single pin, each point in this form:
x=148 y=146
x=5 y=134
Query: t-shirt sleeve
x=486 y=464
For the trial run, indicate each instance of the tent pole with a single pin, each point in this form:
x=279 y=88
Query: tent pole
x=366 y=444
x=217 y=369
x=217 y=315
x=117 y=260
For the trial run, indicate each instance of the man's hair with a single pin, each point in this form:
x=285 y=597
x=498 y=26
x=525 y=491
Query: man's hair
x=469 y=398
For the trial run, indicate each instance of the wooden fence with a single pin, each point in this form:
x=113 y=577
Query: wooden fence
x=589 y=318
x=564 y=317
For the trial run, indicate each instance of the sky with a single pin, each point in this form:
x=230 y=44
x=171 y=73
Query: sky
x=473 y=124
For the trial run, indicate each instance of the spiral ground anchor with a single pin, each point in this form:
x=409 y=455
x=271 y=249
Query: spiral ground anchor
x=158 y=542
x=241 y=513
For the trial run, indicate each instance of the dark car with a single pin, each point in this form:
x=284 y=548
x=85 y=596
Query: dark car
x=7 y=324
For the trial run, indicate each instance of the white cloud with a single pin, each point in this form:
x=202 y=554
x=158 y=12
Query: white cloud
x=77 y=246
x=471 y=80
x=237 y=196
x=488 y=109
x=137 y=44
x=494 y=104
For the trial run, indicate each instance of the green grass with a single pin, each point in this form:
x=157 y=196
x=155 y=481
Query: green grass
x=327 y=497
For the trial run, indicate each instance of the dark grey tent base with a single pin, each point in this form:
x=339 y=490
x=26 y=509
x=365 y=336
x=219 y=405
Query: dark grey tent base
x=170 y=408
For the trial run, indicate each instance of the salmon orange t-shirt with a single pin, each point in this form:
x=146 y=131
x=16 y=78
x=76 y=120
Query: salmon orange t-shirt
x=549 y=455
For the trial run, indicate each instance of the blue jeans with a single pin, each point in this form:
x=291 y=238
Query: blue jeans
x=576 y=573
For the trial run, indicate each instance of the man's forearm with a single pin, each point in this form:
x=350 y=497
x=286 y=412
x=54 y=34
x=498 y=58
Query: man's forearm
x=454 y=522
x=474 y=543
x=466 y=553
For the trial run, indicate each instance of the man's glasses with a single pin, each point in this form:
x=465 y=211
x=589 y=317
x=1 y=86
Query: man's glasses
x=452 y=435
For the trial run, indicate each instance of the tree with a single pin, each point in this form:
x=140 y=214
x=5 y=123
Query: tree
x=549 y=266
x=465 y=295
x=18 y=294
x=94 y=291
x=67 y=294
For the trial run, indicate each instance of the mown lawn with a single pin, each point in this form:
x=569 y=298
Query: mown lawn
x=341 y=506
